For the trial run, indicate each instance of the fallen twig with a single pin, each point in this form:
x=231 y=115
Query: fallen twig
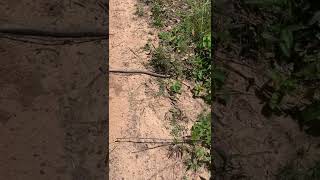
x=138 y=72
x=162 y=145
x=157 y=140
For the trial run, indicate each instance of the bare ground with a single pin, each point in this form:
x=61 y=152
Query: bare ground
x=50 y=120
x=136 y=111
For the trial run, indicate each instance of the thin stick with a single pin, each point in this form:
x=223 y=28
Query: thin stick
x=155 y=147
x=138 y=72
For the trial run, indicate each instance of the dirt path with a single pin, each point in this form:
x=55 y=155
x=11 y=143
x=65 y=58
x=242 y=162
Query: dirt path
x=135 y=110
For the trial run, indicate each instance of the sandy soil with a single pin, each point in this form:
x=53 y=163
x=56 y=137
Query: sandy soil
x=135 y=109
x=49 y=125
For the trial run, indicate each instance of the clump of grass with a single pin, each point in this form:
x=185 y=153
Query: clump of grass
x=139 y=10
x=176 y=122
x=162 y=86
x=185 y=52
x=200 y=143
x=162 y=63
x=197 y=147
x=175 y=88
x=157 y=13
x=192 y=35
x=197 y=25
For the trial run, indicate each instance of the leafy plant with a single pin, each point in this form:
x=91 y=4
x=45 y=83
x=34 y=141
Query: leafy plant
x=289 y=38
x=175 y=88
x=185 y=52
x=201 y=131
x=157 y=13
x=201 y=143
x=161 y=62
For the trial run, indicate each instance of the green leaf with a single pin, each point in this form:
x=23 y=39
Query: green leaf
x=206 y=41
x=286 y=44
x=176 y=87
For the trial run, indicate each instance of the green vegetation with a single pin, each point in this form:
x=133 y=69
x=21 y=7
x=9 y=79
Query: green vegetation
x=175 y=88
x=139 y=10
x=175 y=121
x=157 y=13
x=201 y=143
x=196 y=148
x=184 y=52
x=284 y=35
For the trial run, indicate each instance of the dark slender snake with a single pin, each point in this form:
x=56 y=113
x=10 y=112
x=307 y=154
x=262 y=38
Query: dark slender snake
x=22 y=31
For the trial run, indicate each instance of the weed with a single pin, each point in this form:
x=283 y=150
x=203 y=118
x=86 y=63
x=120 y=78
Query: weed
x=185 y=52
x=197 y=148
x=176 y=129
x=175 y=88
x=176 y=119
x=201 y=131
x=192 y=35
x=201 y=143
x=157 y=13
x=161 y=62
x=146 y=47
x=162 y=86
x=196 y=29
x=139 y=10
